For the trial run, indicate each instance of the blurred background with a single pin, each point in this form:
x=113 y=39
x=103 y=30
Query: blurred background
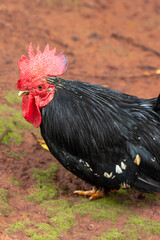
x=107 y=42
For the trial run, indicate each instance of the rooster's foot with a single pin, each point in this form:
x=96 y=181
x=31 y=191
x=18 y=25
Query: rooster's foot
x=93 y=194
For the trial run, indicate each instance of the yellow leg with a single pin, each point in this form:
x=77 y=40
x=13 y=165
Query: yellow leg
x=86 y=193
x=98 y=194
x=93 y=194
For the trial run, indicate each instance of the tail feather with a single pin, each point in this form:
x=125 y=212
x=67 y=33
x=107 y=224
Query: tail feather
x=157 y=105
x=147 y=184
x=148 y=178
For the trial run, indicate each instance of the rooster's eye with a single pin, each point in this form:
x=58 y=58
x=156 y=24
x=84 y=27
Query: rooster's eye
x=40 y=87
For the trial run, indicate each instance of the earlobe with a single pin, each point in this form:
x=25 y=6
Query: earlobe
x=44 y=101
x=49 y=90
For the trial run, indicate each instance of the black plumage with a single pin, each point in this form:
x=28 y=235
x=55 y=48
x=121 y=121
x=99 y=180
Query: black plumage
x=107 y=138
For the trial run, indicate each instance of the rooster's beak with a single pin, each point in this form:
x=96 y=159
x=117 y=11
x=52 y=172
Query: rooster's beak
x=23 y=93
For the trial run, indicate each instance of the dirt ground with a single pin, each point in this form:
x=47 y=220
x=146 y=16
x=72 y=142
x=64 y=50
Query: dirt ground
x=111 y=43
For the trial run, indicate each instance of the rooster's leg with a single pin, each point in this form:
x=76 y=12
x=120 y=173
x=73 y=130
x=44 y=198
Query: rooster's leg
x=92 y=193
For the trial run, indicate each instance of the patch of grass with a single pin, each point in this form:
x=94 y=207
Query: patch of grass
x=3 y=195
x=4 y=206
x=12 y=119
x=16 y=155
x=13 y=180
x=61 y=213
x=152 y=197
x=134 y=227
x=15 y=227
x=101 y=209
x=44 y=188
x=113 y=234
x=143 y=224
x=117 y=234
x=5 y=108
x=35 y=231
x=42 y=231
x=12 y=97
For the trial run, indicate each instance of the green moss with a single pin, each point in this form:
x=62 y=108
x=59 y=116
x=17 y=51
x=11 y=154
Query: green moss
x=15 y=227
x=116 y=234
x=144 y=224
x=133 y=228
x=44 y=188
x=15 y=154
x=105 y=208
x=3 y=195
x=47 y=231
x=12 y=120
x=13 y=180
x=4 y=206
x=41 y=231
x=12 y=136
x=124 y=193
x=35 y=231
x=5 y=108
x=152 y=197
x=12 y=97
x=113 y=234
x=61 y=213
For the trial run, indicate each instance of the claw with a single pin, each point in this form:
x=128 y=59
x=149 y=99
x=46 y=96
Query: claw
x=85 y=193
x=113 y=190
x=97 y=194
x=93 y=194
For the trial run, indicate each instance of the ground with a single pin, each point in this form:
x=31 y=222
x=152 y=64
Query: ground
x=112 y=43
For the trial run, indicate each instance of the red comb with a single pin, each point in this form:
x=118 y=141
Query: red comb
x=40 y=65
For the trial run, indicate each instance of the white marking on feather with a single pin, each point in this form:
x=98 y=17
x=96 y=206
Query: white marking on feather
x=96 y=174
x=87 y=165
x=153 y=159
x=107 y=175
x=123 y=166
x=137 y=160
x=118 y=169
x=113 y=176
x=145 y=105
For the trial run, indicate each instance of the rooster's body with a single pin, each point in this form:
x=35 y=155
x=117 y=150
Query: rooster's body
x=96 y=133
x=107 y=138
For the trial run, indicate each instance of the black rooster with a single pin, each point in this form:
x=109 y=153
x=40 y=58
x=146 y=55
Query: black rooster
x=107 y=138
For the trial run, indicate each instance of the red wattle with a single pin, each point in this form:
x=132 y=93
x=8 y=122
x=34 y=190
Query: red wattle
x=31 y=111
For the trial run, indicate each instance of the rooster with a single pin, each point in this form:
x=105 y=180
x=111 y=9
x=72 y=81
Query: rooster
x=107 y=138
